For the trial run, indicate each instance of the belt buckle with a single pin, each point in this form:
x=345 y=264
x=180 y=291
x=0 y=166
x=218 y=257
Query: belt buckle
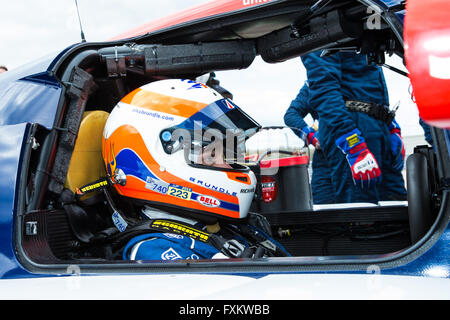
x=390 y=114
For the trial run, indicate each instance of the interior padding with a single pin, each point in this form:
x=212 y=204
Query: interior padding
x=86 y=164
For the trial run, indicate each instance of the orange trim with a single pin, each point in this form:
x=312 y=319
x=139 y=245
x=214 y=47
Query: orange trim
x=239 y=177
x=162 y=103
x=128 y=137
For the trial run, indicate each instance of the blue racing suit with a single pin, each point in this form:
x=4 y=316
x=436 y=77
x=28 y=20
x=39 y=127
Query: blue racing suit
x=172 y=246
x=321 y=186
x=333 y=80
x=167 y=246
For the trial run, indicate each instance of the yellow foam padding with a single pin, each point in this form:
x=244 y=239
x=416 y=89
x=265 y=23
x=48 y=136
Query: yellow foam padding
x=86 y=164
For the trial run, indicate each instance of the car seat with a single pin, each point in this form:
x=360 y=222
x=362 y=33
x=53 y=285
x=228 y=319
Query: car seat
x=86 y=164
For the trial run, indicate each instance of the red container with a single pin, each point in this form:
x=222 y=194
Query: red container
x=284 y=185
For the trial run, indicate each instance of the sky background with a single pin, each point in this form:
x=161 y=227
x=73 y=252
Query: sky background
x=31 y=29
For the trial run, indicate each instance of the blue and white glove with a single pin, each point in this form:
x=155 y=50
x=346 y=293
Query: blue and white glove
x=365 y=170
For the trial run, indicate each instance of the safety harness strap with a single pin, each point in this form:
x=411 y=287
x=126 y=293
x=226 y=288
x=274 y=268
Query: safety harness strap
x=377 y=111
x=231 y=248
x=119 y=239
x=96 y=185
x=119 y=235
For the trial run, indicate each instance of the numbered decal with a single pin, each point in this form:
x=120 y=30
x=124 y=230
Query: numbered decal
x=157 y=185
x=180 y=192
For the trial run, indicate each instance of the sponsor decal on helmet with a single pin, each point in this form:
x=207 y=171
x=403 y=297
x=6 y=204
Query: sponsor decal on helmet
x=198 y=86
x=212 y=187
x=179 y=192
x=153 y=114
x=229 y=105
x=208 y=201
x=248 y=190
x=158 y=186
x=195 y=85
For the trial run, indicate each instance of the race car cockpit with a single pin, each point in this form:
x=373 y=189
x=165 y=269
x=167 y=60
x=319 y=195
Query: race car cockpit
x=109 y=154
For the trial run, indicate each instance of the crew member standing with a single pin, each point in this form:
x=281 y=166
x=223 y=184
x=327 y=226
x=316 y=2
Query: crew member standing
x=357 y=133
x=321 y=186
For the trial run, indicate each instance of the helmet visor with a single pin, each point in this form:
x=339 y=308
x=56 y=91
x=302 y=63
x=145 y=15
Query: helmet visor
x=214 y=136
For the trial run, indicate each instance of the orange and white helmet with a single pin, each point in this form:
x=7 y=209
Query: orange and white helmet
x=175 y=145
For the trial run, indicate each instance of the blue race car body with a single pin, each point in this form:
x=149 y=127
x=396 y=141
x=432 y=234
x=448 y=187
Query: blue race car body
x=38 y=110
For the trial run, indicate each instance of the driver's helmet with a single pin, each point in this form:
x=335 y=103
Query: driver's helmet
x=177 y=145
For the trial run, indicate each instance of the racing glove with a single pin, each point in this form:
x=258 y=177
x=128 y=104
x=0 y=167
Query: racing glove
x=397 y=146
x=364 y=166
x=310 y=137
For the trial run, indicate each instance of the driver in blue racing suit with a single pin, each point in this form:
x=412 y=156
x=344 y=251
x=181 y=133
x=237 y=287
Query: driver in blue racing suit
x=228 y=241
x=361 y=140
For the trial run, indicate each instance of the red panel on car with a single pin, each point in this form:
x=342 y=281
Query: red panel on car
x=427 y=51
x=208 y=9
